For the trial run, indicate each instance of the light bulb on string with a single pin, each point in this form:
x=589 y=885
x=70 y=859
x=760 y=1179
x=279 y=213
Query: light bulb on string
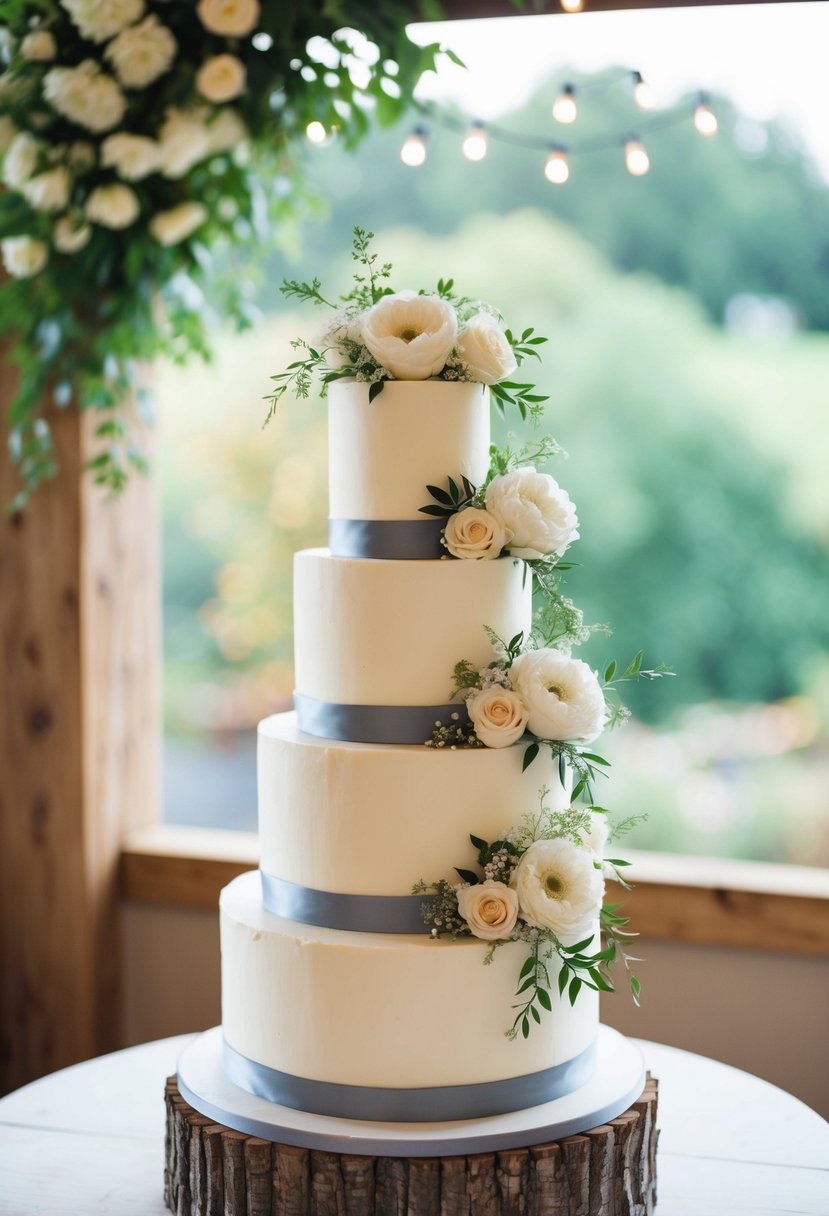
x=316 y=133
x=565 y=109
x=637 y=161
x=557 y=170
x=413 y=152
x=705 y=120
x=475 y=145
x=572 y=6
x=642 y=92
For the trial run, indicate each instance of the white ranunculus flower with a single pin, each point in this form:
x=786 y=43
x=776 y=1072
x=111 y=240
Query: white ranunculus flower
x=221 y=78
x=23 y=256
x=563 y=696
x=39 y=46
x=114 y=206
x=142 y=53
x=559 y=888
x=69 y=236
x=184 y=140
x=131 y=156
x=409 y=335
x=475 y=534
x=171 y=227
x=233 y=18
x=48 y=191
x=98 y=20
x=21 y=160
x=86 y=95
x=485 y=350
x=8 y=131
x=226 y=131
x=498 y=715
x=535 y=509
x=489 y=908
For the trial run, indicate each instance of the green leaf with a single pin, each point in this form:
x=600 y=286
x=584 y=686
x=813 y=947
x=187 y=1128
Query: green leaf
x=525 y=1026
x=529 y=966
x=468 y=876
x=535 y=1014
x=438 y=493
x=543 y=998
x=574 y=989
x=529 y=755
x=376 y=389
x=562 y=980
x=610 y=672
x=477 y=842
x=594 y=759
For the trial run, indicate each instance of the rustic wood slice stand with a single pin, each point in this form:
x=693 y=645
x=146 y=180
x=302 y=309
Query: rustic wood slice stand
x=607 y=1171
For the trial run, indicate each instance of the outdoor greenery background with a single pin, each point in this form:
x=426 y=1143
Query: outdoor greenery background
x=697 y=458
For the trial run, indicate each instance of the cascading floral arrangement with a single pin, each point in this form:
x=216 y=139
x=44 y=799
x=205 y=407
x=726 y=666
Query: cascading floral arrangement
x=138 y=137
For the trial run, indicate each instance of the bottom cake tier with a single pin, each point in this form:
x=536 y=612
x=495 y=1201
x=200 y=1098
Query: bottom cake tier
x=394 y=1027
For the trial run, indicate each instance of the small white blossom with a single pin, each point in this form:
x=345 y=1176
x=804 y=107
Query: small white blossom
x=232 y=18
x=86 y=95
x=22 y=158
x=184 y=140
x=114 y=206
x=39 y=46
x=69 y=236
x=171 y=227
x=142 y=53
x=23 y=256
x=48 y=191
x=221 y=78
x=99 y=20
x=131 y=156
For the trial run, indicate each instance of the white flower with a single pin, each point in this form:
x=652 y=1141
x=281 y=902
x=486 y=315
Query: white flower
x=221 y=78
x=23 y=256
x=485 y=350
x=226 y=131
x=81 y=156
x=101 y=19
x=489 y=908
x=170 y=227
x=233 y=18
x=39 y=46
x=595 y=837
x=409 y=335
x=498 y=715
x=535 y=509
x=113 y=206
x=69 y=235
x=559 y=888
x=331 y=338
x=142 y=53
x=183 y=141
x=131 y=156
x=562 y=695
x=86 y=95
x=475 y=534
x=21 y=160
x=48 y=191
x=8 y=131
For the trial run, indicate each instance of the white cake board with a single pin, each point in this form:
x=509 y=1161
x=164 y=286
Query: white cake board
x=618 y=1081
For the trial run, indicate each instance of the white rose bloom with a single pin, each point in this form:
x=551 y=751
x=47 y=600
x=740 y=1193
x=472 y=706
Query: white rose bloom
x=142 y=53
x=475 y=534
x=21 y=159
x=39 y=46
x=184 y=140
x=221 y=78
x=562 y=695
x=498 y=715
x=409 y=335
x=226 y=131
x=8 y=131
x=489 y=908
x=113 y=206
x=23 y=256
x=48 y=191
x=485 y=350
x=86 y=95
x=98 y=20
x=171 y=227
x=233 y=18
x=559 y=888
x=131 y=156
x=81 y=156
x=69 y=236
x=535 y=509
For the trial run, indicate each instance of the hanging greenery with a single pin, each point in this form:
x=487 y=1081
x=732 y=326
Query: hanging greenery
x=143 y=145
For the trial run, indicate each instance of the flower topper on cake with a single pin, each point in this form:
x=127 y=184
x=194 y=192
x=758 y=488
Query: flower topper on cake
x=375 y=334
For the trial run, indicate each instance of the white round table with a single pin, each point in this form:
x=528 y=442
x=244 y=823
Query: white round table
x=90 y=1139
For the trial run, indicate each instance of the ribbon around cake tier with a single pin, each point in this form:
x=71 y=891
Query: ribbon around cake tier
x=435 y=1104
x=374 y=723
x=387 y=539
x=337 y=910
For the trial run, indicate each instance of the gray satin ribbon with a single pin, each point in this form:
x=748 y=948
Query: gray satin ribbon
x=335 y=910
x=388 y=539
x=437 y=1104
x=372 y=723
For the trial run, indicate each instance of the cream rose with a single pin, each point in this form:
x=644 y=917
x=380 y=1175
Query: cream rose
x=69 y=236
x=184 y=140
x=559 y=888
x=475 y=534
x=86 y=95
x=113 y=206
x=221 y=78
x=98 y=20
x=563 y=696
x=489 y=908
x=142 y=53
x=171 y=227
x=226 y=131
x=409 y=335
x=39 y=46
x=233 y=18
x=498 y=715
x=21 y=160
x=48 y=191
x=23 y=256
x=484 y=348
x=535 y=509
x=131 y=156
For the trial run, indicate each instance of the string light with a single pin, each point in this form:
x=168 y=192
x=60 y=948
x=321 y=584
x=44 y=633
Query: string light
x=316 y=132
x=565 y=109
x=572 y=6
x=642 y=92
x=705 y=120
x=475 y=145
x=637 y=161
x=557 y=170
x=413 y=152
